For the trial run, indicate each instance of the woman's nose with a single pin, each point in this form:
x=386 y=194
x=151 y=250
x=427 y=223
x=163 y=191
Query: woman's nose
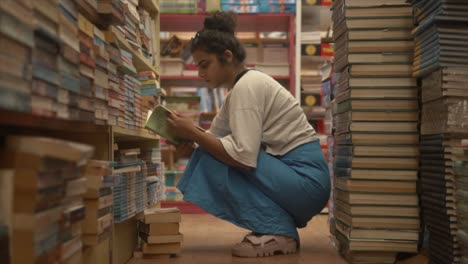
x=201 y=74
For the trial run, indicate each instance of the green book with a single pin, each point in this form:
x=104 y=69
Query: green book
x=158 y=123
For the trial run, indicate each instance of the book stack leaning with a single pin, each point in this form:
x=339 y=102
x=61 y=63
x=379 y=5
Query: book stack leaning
x=376 y=117
x=441 y=63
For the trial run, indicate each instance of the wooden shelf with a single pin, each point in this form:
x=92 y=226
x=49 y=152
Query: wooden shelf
x=245 y=22
x=124 y=134
x=140 y=62
x=150 y=5
x=30 y=121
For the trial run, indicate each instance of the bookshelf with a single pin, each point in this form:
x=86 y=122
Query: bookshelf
x=120 y=247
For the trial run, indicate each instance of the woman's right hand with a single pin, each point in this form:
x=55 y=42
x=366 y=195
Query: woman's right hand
x=185 y=149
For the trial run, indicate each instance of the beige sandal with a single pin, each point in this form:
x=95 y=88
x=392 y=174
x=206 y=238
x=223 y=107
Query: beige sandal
x=265 y=245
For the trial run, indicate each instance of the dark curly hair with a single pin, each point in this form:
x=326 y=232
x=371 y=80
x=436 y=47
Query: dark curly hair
x=218 y=35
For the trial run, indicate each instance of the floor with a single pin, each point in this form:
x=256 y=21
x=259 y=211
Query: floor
x=207 y=240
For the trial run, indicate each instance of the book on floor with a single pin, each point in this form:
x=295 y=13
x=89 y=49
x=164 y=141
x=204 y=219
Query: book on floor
x=162 y=215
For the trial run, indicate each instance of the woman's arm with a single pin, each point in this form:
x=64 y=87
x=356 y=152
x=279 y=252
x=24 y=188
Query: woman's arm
x=185 y=129
x=213 y=145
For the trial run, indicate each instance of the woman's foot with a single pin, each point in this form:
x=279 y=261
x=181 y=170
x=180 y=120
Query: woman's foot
x=253 y=246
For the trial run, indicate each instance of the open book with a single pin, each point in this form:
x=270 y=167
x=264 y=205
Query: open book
x=157 y=122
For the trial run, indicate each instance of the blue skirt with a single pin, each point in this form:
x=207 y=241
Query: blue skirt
x=283 y=193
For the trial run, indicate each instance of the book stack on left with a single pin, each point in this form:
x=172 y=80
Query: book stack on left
x=48 y=198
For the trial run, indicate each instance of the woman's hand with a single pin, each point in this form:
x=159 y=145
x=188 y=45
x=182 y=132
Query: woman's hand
x=185 y=149
x=183 y=127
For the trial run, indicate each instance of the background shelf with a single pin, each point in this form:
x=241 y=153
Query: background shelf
x=245 y=22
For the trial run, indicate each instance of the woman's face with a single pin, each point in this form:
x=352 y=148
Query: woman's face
x=210 y=69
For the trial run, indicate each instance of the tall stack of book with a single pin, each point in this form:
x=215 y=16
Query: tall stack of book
x=47 y=204
x=69 y=61
x=159 y=232
x=101 y=81
x=97 y=225
x=441 y=64
x=16 y=42
x=87 y=68
x=460 y=169
x=376 y=137
x=45 y=58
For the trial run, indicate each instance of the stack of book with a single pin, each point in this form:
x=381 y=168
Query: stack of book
x=87 y=68
x=146 y=34
x=101 y=81
x=69 y=62
x=460 y=169
x=149 y=84
x=438 y=196
x=97 y=225
x=45 y=58
x=440 y=62
x=131 y=28
x=159 y=232
x=376 y=138
x=114 y=93
x=47 y=203
x=129 y=185
x=73 y=216
x=15 y=54
x=152 y=170
x=112 y=10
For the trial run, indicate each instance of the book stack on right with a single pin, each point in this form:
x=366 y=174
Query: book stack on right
x=159 y=232
x=376 y=137
x=460 y=169
x=441 y=62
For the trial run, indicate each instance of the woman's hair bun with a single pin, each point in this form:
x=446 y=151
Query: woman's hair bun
x=222 y=21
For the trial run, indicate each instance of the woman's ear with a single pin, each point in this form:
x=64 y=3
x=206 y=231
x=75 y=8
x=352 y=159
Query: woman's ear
x=228 y=56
